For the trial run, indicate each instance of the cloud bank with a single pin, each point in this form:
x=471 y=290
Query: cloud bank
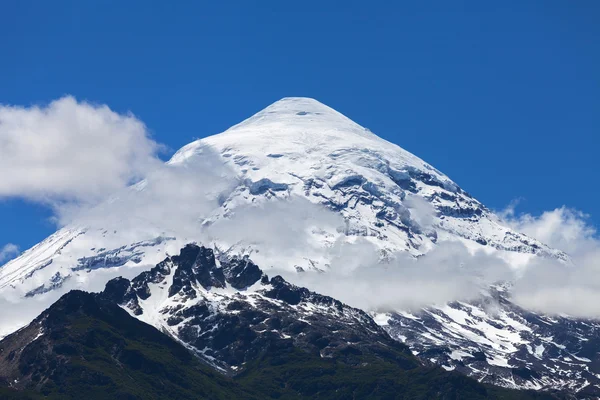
x=448 y=273
x=71 y=151
x=553 y=287
x=170 y=198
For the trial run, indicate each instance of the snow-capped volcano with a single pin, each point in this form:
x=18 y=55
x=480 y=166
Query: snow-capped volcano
x=297 y=148
x=300 y=147
x=303 y=168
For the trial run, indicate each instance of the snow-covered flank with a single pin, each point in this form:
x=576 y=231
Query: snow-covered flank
x=497 y=342
x=73 y=258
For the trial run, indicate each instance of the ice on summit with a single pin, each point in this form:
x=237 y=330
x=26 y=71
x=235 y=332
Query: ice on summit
x=301 y=147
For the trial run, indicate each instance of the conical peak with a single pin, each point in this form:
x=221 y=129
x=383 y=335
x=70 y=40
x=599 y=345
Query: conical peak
x=300 y=111
x=300 y=106
x=295 y=120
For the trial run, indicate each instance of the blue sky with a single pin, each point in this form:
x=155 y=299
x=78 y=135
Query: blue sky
x=503 y=97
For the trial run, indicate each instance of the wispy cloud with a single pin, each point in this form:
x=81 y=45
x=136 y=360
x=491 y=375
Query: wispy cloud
x=8 y=251
x=563 y=228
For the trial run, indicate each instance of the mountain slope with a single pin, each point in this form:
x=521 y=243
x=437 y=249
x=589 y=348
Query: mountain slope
x=295 y=187
x=497 y=342
x=85 y=345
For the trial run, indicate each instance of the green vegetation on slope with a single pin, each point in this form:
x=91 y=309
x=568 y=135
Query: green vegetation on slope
x=295 y=374
x=94 y=350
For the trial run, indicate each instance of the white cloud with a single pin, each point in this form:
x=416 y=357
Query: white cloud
x=449 y=272
x=563 y=228
x=279 y=228
x=70 y=151
x=170 y=198
x=8 y=251
x=552 y=287
x=421 y=210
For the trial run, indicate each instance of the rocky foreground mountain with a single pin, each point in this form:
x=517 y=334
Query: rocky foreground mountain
x=267 y=337
x=230 y=313
x=294 y=188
